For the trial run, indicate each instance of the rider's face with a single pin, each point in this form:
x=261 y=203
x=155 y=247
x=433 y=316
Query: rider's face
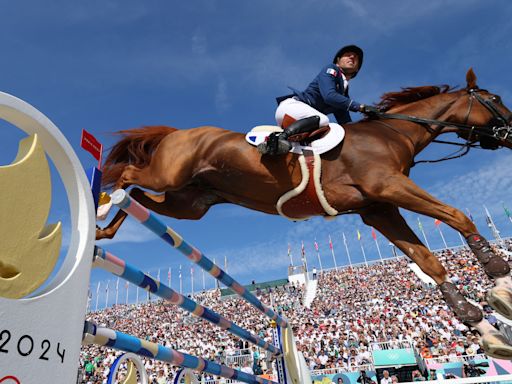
x=349 y=62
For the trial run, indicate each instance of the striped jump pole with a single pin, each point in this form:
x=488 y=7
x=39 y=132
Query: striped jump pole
x=124 y=342
x=147 y=218
x=107 y=261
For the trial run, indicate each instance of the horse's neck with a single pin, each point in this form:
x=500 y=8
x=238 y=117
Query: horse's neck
x=433 y=108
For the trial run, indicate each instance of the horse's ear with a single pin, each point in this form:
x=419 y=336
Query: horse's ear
x=471 y=79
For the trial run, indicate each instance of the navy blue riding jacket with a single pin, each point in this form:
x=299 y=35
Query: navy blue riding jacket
x=327 y=94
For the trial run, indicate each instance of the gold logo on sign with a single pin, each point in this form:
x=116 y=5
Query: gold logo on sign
x=29 y=248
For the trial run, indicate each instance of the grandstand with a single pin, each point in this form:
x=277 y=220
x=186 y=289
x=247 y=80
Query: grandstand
x=381 y=317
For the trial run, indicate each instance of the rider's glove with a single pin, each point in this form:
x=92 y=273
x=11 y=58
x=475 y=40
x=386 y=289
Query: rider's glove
x=369 y=110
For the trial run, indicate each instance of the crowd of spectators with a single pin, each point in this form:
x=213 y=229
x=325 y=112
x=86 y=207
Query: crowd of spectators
x=354 y=309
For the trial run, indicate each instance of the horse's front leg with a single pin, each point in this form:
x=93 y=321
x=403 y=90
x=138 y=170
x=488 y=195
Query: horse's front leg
x=401 y=191
x=387 y=219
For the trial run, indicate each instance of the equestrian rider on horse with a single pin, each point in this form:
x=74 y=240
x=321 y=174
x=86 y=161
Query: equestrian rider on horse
x=328 y=93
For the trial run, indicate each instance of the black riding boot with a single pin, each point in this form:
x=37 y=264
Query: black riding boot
x=278 y=144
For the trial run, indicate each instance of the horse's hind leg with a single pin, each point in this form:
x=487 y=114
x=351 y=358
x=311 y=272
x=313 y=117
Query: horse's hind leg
x=387 y=219
x=401 y=191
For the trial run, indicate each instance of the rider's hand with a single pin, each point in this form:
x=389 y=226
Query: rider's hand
x=369 y=110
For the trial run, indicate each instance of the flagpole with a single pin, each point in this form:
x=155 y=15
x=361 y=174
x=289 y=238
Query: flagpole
x=494 y=229
x=362 y=248
x=393 y=249
x=437 y=223
x=442 y=237
x=89 y=299
x=290 y=254
x=169 y=274
x=423 y=232
x=117 y=290
x=332 y=251
x=304 y=260
x=192 y=280
x=127 y=287
x=216 y=282
x=374 y=235
x=97 y=296
x=181 y=283
x=463 y=243
x=137 y=297
x=318 y=255
x=148 y=295
x=226 y=263
x=106 y=299
x=346 y=249
x=204 y=283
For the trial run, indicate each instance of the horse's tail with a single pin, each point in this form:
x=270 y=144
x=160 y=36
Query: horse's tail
x=136 y=148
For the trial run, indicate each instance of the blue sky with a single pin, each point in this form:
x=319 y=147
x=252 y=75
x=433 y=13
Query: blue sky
x=110 y=65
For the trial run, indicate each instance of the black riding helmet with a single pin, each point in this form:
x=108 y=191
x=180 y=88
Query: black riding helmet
x=350 y=48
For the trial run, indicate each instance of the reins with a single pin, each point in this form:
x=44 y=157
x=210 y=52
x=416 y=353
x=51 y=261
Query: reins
x=502 y=132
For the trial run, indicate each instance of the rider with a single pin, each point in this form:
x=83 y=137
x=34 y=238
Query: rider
x=327 y=93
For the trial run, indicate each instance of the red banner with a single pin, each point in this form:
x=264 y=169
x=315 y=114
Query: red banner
x=91 y=145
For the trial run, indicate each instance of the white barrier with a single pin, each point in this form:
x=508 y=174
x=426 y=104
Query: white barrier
x=40 y=337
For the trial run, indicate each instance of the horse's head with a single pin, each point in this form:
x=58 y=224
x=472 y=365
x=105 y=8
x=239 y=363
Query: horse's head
x=486 y=119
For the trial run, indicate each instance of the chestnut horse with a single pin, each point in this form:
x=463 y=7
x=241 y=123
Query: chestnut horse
x=197 y=168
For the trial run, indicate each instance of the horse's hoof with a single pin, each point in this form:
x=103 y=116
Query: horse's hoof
x=500 y=299
x=100 y=233
x=497 y=346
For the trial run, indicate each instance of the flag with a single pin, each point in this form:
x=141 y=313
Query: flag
x=437 y=222
x=420 y=226
x=358 y=235
x=507 y=212
x=374 y=235
x=289 y=249
x=316 y=245
x=91 y=145
x=330 y=242
x=303 y=250
x=469 y=215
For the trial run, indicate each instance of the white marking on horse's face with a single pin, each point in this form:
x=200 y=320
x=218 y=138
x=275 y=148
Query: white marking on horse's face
x=411 y=251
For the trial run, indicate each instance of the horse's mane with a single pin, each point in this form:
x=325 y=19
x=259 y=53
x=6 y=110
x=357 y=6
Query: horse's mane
x=410 y=94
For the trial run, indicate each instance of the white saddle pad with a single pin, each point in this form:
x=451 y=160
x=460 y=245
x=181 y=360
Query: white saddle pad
x=335 y=136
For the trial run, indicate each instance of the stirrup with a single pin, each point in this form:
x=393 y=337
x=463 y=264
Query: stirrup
x=274 y=145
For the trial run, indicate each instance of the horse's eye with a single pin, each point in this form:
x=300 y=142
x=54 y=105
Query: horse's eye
x=496 y=99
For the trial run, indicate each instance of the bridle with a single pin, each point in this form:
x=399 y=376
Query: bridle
x=501 y=130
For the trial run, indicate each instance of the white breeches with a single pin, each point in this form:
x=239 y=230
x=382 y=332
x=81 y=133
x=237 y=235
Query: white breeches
x=298 y=110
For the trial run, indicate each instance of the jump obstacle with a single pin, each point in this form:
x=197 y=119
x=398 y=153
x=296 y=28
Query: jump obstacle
x=40 y=336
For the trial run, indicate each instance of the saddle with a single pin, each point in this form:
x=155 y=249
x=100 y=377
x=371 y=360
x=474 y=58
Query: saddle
x=308 y=137
x=302 y=133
